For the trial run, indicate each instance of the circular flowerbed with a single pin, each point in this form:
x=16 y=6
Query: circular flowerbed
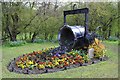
x=55 y=59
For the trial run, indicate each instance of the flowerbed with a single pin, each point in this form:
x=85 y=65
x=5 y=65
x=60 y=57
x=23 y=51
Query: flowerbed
x=54 y=59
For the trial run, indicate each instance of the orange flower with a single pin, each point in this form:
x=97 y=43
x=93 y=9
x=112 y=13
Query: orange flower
x=52 y=58
x=25 y=58
x=66 y=63
x=80 y=57
x=50 y=63
x=81 y=61
x=39 y=52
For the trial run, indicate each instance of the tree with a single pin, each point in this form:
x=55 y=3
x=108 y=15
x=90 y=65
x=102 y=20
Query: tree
x=11 y=19
x=14 y=21
x=31 y=20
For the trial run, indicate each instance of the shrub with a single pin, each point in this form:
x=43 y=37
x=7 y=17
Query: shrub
x=54 y=41
x=100 y=38
x=16 y=43
x=39 y=41
x=113 y=38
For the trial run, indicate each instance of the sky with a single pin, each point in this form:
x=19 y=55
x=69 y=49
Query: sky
x=62 y=0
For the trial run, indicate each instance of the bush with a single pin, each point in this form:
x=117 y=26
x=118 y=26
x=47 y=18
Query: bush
x=16 y=43
x=54 y=41
x=39 y=41
x=100 y=38
x=113 y=38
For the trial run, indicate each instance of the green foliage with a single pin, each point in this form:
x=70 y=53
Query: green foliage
x=81 y=53
x=46 y=21
x=86 y=58
x=54 y=41
x=113 y=38
x=39 y=41
x=16 y=43
x=78 y=52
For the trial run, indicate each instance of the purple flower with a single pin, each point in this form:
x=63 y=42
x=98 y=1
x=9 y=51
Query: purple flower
x=57 y=54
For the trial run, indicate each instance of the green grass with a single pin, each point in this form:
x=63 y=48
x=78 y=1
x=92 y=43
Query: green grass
x=105 y=69
x=0 y=62
x=111 y=42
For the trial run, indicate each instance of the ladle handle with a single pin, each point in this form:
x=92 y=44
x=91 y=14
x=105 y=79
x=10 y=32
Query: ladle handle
x=76 y=11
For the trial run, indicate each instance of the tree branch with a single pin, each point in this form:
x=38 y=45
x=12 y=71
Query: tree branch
x=30 y=21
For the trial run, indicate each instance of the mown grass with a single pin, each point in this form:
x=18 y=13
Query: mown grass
x=105 y=69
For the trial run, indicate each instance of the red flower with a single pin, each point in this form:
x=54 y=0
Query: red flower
x=41 y=63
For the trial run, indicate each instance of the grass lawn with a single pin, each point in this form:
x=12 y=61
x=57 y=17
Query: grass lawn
x=105 y=69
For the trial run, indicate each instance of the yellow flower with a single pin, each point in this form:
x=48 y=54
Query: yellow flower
x=36 y=64
x=59 y=60
x=56 y=63
x=52 y=66
x=96 y=41
x=48 y=65
x=21 y=66
x=30 y=62
x=98 y=48
x=41 y=66
x=63 y=59
x=27 y=65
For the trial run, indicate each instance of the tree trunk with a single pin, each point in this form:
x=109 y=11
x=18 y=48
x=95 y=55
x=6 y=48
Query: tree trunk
x=51 y=36
x=15 y=31
x=34 y=36
x=25 y=36
x=109 y=32
x=118 y=35
x=30 y=33
x=46 y=36
x=12 y=37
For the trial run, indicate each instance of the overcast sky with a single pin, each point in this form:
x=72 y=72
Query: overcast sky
x=62 y=0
